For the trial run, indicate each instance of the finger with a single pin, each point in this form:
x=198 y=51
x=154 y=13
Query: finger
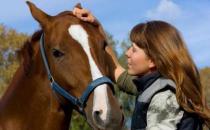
x=78 y=14
x=84 y=18
x=85 y=10
x=77 y=11
x=89 y=19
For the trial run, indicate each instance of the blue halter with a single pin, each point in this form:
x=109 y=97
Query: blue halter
x=78 y=102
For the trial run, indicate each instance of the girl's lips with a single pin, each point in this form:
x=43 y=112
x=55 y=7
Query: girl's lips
x=129 y=65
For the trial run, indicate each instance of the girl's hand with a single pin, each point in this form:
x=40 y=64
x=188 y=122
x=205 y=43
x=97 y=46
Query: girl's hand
x=86 y=15
x=83 y=14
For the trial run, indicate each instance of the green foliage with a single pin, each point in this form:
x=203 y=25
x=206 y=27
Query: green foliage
x=10 y=41
x=79 y=122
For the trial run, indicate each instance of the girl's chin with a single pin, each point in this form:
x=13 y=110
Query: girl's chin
x=131 y=72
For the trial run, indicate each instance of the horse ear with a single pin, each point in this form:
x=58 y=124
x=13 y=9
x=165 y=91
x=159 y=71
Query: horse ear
x=78 y=5
x=39 y=15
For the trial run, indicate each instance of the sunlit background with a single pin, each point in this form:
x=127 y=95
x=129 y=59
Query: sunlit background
x=191 y=17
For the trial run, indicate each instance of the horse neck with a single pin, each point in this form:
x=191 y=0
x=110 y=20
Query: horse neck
x=30 y=103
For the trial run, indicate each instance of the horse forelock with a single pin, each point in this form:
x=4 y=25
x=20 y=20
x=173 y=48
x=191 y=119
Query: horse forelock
x=66 y=13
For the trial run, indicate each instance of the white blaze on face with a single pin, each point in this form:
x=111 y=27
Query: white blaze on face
x=100 y=101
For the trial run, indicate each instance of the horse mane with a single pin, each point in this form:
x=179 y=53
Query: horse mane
x=26 y=53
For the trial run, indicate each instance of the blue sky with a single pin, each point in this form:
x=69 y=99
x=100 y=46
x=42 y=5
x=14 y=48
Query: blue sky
x=191 y=17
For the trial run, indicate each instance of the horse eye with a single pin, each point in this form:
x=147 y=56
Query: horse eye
x=57 y=53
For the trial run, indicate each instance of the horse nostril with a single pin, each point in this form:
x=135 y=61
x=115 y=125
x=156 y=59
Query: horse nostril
x=98 y=112
x=99 y=119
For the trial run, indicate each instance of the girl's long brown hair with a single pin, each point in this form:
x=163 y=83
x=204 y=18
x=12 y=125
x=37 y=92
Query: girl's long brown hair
x=164 y=45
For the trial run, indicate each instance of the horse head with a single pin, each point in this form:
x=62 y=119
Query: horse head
x=75 y=53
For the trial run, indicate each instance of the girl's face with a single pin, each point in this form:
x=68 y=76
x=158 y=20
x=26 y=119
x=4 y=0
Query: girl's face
x=138 y=62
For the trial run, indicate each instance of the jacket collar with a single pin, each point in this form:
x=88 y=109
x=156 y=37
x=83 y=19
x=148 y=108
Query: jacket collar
x=145 y=81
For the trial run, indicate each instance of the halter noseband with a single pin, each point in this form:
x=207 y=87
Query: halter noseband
x=78 y=102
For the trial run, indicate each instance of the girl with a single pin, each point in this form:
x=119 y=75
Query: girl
x=169 y=94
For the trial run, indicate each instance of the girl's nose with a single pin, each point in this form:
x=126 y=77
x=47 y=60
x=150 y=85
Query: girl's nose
x=128 y=52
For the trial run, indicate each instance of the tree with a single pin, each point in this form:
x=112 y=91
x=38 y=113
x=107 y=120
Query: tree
x=10 y=41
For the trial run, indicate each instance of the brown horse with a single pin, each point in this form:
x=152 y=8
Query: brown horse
x=76 y=55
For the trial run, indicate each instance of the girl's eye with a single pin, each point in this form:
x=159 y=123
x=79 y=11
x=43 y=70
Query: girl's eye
x=133 y=49
x=57 y=53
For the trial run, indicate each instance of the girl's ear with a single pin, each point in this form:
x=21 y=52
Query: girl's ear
x=151 y=64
